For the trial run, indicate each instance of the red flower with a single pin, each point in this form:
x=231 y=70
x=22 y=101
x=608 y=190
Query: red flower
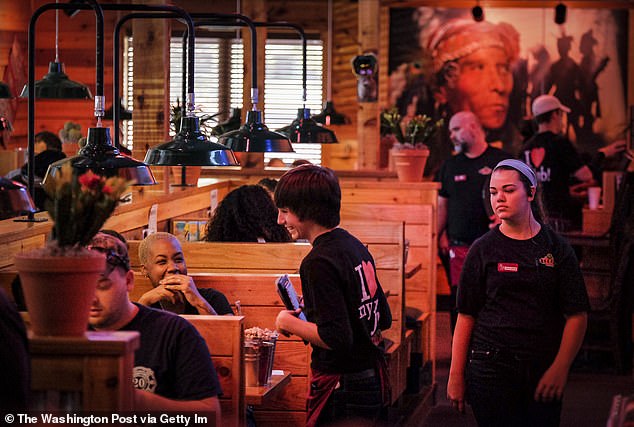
x=90 y=181
x=106 y=189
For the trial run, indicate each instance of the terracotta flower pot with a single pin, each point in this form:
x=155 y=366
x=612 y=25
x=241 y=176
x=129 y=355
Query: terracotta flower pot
x=410 y=164
x=59 y=290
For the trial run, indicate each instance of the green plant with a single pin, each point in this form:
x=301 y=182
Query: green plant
x=206 y=121
x=80 y=205
x=71 y=132
x=419 y=131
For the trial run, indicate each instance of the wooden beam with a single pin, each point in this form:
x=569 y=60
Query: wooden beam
x=367 y=123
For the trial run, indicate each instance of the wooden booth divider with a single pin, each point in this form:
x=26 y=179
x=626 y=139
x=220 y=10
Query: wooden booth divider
x=247 y=271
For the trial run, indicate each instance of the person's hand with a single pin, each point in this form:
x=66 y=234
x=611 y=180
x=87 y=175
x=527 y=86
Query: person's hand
x=551 y=385
x=283 y=319
x=443 y=244
x=614 y=148
x=179 y=283
x=160 y=293
x=456 y=392
x=580 y=191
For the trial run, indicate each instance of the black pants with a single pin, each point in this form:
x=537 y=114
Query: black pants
x=358 y=397
x=501 y=388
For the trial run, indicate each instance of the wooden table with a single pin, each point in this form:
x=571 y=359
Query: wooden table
x=260 y=394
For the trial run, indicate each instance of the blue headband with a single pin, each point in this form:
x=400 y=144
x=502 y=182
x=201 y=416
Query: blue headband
x=521 y=167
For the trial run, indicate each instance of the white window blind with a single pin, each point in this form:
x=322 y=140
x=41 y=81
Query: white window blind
x=282 y=87
x=206 y=74
x=283 y=90
x=127 y=96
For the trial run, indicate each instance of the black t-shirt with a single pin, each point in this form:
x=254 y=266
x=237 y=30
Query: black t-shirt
x=518 y=291
x=14 y=358
x=554 y=160
x=172 y=360
x=216 y=299
x=343 y=296
x=462 y=183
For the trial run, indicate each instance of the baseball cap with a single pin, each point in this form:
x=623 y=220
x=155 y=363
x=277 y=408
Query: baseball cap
x=545 y=103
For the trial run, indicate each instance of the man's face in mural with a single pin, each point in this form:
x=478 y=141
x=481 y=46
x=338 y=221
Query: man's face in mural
x=482 y=85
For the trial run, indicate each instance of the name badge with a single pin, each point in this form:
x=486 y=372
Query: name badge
x=507 y=267
x=459 y=178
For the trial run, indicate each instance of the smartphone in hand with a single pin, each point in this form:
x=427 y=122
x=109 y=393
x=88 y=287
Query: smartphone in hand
x=287 y=294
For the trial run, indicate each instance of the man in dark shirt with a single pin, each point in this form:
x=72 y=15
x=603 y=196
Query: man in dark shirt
x=14 y=358
x=173 y=370
x=462 y=216
x=555 y=162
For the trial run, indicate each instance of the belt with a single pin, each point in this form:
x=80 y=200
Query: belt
x=458 y=243
x=368 y=373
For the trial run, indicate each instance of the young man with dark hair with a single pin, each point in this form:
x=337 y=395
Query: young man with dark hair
x=555 y=162
x=344 y=303
x=173 y=370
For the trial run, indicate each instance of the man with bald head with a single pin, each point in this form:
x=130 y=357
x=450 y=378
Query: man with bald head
x=462 y=217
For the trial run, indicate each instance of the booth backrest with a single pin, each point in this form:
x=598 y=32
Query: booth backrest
x=224 y=336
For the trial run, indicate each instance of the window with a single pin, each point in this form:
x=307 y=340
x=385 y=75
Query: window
x=283 y=90
x=216 y=57
x=127 y=95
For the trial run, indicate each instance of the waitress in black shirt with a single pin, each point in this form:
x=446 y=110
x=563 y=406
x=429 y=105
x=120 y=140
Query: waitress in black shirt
x=522 y=316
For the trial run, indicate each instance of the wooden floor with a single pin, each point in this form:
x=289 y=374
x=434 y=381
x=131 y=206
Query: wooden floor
x=587 y=399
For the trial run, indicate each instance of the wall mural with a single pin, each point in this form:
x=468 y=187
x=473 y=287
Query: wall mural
x=442 y=61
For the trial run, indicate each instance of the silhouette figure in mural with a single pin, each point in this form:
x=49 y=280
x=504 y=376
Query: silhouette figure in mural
x=565 y=75
x=590 y=67
x=538 y=73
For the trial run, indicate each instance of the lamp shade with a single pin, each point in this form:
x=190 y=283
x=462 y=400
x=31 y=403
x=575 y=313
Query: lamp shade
x=304 y=130
x=57 y=85
x=102 y=158
x=5 y=92
x=255 y=137
x=190 y=147
x=330 y=116
x=14 y=199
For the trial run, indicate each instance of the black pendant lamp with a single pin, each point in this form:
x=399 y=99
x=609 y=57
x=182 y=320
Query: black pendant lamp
x=101 y=157
x=190 y=147
x=14 y=199
x=303 y=130
x=5 y=92
x=98 y=154
x=55 y=84
x=330 y=116
x=254 y=136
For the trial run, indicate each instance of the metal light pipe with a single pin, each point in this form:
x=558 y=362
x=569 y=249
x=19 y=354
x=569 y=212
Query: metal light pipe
x=156 y=12
x=99 y=99
x=219 y=19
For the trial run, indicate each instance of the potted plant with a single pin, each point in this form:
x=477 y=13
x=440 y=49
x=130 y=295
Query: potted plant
x=192 y=173
x=409 y=148
x=59 y=280
x=70 y=135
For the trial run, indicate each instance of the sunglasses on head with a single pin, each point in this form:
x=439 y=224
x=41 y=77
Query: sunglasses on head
x=113 y=260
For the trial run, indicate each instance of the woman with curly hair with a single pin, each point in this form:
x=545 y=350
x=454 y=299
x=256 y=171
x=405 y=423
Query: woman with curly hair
x=246 y=214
